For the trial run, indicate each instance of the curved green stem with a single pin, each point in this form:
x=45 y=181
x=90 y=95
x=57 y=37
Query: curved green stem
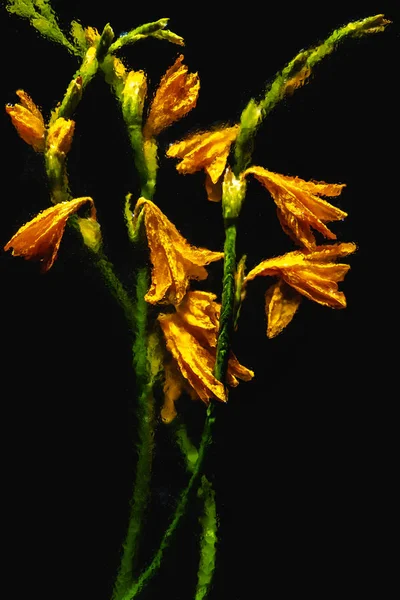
x=145 y=411
x=117 y=289
x=136 y=587
x=208 y=520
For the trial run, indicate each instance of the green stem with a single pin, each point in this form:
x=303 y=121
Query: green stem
x=208 y=520
x=145 y=411
x=117 y=289
x=228 y=299
x=179 y=511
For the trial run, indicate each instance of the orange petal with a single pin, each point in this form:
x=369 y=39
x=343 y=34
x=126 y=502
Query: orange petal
x=172 y=391
x=176 y=96
x=310 y=273
x=195 y=362
x=59 y=137
x=28 y=121
x=174 y=260
x=298 y=204
x=40 y=238
x=281 y=304
x=202 y=149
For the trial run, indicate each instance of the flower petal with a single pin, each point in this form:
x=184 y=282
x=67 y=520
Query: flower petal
x=281 y=304
x=40 y=238
x=202 y=149
x=175 y=97
x=174 y=260
x=28 y=121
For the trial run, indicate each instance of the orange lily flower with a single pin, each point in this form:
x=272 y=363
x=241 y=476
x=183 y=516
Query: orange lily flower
x=174 y=260
x=40 y=238
x=191 y=338
x=176 y=95
x=299 y=204
x=28 y=121
x=312 y=274
x=207 y=150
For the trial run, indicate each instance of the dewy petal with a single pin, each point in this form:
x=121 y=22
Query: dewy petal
x=40 y=238
x=199 y=311
x=281 y=304
x=28 y=121
x=175 y=97
x=195 y=362
x=214 y=190
x=299 y=205
x=310 y=273
x=174 y=260
x=172 y=388
x=28 y=103
x=59 y=137
x=191 y=337
x=199 y=151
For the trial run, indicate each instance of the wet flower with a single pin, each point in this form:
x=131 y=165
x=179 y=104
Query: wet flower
x=281 y=304
x=206 y=150
x=191 y=338
x=40 y=238
x=299 y=205
x=28 y=121
x=174 y=260
x=313 y=274
x=175 y=97
x=60 y=134
x=133 y=96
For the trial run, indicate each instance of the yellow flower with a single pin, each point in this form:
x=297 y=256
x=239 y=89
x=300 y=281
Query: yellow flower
x=313 y=274
x=281 y=304
x=191 y=338
x=92 y=36
x=28 y=121
x=299 y=205
x=174 y=260
x=175 y=97
x=133 y=95
x=60 y=134
x=206 y=150
x=40 y=238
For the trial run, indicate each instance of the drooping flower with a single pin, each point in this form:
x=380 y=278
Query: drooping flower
x=176 y=95
x=191 y=338
x=300 y=206
x=40 y=238
x=174 y=260
x=313 y=274
x=206 y=150
x=28 y=121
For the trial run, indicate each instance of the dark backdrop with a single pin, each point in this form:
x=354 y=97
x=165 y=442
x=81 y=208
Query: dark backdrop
x=302 y=461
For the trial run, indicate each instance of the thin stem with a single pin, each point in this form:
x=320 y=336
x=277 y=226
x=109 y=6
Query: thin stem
x=179 y=511
x=145 y=410
x=228 y=299
x=208 y=520
x=117 y=289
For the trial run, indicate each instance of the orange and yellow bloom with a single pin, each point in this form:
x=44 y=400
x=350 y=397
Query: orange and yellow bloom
x=176 y=95
x=28 y=121
x=59 y=136
x=299 y=205
x=40 y=238
x=191 y=338
x=174 y=260
x=312 y=274
x=206 y=150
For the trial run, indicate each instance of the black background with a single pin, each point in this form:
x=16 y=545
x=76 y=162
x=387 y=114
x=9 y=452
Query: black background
x=302 y=461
